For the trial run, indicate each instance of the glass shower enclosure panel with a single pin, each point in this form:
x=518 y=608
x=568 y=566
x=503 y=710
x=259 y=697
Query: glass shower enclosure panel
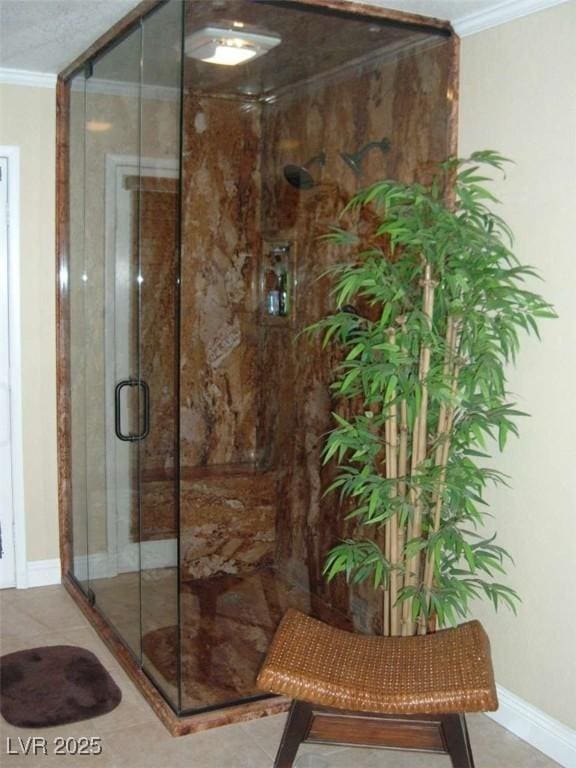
x=123 y=290
x=158 y=342
x=115 y=407
x=75 y=278
x=227 y=488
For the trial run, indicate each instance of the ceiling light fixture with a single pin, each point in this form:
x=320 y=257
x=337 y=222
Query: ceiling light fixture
x=97 y=126
x=229 y=46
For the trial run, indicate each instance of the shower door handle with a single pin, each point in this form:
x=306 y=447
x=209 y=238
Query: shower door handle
x=132 y=438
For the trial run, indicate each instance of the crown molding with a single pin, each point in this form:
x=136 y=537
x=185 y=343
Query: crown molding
x=25 y=77
x=106 y=87
x=503 y=13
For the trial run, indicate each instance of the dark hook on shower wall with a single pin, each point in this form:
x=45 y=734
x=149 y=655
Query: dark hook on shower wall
x=354 y=160
x=299 y=176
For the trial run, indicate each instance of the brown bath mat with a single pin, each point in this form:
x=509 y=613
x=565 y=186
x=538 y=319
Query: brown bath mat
x=54 y=685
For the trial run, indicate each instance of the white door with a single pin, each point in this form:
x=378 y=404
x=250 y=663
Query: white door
x=7 y=560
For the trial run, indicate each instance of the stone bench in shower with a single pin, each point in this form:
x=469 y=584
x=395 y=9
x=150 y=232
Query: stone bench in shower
x=227 y=517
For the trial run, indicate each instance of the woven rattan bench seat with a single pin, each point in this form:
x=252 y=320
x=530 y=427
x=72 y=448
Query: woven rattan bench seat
x=448 y=671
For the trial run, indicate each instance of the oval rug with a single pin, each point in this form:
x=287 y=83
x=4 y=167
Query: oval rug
x=54 y=685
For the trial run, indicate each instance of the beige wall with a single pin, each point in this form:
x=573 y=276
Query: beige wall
x=518 y=96
x=27 y=120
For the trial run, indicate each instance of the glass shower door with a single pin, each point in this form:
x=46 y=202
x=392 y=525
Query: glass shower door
x=116 y=403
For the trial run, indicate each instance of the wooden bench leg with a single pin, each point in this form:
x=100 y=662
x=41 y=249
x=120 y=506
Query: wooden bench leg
x=457 y=741
x=295 y=731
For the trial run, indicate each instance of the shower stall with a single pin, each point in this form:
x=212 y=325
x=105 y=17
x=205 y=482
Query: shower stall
x=203 y=147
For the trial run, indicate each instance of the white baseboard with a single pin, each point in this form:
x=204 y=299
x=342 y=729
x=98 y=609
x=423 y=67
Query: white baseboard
x=160 y=553
x=147 y=556
x=42 y=573
x=535 y=727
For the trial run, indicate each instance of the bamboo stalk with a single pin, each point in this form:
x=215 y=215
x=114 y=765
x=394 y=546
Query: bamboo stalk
x=381 y=463
x=448 y=362
x=403 y=449
x=442 y=453
x=392 y=523
x=419 y=446
x=382 y=467
x=443 y=463
x=387 y=542
x=394 y=528
x=402 y=437
x=410 y=528
x=402 y=470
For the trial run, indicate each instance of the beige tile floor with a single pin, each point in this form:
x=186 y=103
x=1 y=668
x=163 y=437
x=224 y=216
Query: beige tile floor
x=132 y=737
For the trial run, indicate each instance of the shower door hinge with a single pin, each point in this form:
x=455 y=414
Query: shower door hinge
x=91 y=597
x=88 y=70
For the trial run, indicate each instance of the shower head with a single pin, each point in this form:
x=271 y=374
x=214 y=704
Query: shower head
x=354 y=160
x=299 y=176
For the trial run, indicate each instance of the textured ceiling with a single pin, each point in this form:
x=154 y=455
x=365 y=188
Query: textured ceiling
x=46 y=35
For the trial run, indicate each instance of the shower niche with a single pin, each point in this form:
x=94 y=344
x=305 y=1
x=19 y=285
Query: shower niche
x=276 y=283
x=203 y=149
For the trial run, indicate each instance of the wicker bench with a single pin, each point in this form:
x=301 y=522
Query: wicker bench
x=372 y=691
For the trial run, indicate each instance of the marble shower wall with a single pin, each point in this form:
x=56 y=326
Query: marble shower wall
x=228 y=520
x=220 y=248
x=227 y=499
x=405 y=101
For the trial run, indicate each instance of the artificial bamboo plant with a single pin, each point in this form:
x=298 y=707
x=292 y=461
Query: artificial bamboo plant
x=430 y=306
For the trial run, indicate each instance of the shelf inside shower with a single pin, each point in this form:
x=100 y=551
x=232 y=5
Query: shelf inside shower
x=226 y=521
x=161 y=474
